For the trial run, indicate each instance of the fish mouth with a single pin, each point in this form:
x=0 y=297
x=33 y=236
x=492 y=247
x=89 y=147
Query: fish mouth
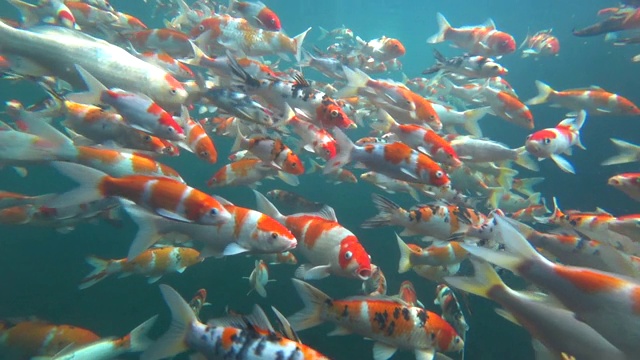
x=613 y=182
x=364 y=274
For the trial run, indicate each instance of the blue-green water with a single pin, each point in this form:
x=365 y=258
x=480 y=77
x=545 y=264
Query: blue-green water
x=41 y=268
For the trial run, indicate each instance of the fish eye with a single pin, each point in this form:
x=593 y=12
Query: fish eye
x=213 y=212
x=274 y=235
x=348 y=255
x=146 y=138
x=293 y=164
x=173 y=91
x=547 y=140
x=273 y=21
x=204 y=154
x=456 y=340
x=439 y=174
x=201 y=27
x=494 y=67
x=334 y=113
x=170 y=129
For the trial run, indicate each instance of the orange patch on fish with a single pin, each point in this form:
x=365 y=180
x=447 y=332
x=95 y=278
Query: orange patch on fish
x=397 y=152
x=589 y=281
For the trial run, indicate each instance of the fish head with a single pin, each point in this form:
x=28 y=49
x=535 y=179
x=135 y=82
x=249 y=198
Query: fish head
x=170 y=93
x=445 y=338
x=542 y=143
x=393 y=48
x=438 y=177
x=331 y=114
x=170 y=129
x=209 y=24
x=292 y=164
x=448 y=156
x=504 y=43
x=269 y=19
x=213 y=213
x=270 y=236
x=627 y=107
x=494 y=69
x=551 y=46
x=206 y=151
x=353 y=258
x=219 y=178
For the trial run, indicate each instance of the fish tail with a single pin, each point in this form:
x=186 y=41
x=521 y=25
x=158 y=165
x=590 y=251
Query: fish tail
x=314 y=301
x=525 y=160
x=94 y=89
x=628 y=152
x=356 y=79
x=138 y=339
x=323 y=33
x=314 y=167
x=102 y=269
x=387 y=210
x=90 y=181
x=443 y=27
x=495 y=193
x=240 y=143
x=58 y=145
x=265 y=206
x=343 y=156
x=577 y=124
x=297 y=44
x=173 y=341
x=384 y=123
x=484 y=279
x=534 y=199
x=404 y=264
x=148 y=232
x=556 y=215
x=505 y=177
x=289 y=179
x=525 y=186
x=471 y=119
x=544 y=91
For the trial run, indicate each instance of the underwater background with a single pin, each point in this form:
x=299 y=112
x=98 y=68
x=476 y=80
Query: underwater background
x=40 y=268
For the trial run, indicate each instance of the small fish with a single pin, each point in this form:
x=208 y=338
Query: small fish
x=628 y=183
x=467 y=66
x=259 y=278
x=451 y=310
x=376 y=284
x=541 y=43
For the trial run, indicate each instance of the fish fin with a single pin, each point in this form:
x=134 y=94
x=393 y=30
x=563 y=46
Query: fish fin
x=147 y=234
x=152 y=279
x=171 y=215
x=471 y=119
x=323 y=33
x=414 y=194
x=528 y=52
x=139 y=341
x=100 y=272
x=306 y=272
x=285 y=326
x=339 y=331
x=233 y=248
x=404 y=264
x=343 y=156
x=173 y=341
x=94 y=86
x=29 y=12
x=495 y=194
x=563 y=163
x=386 y=211
x=259 y=288
x=314 y=302
x=89 y=189
x=443 y=27
x=65 y=149
x=425 y=354
x=628 y=152
x=265 y=206
x=525 y=160
x=289 y=179
x=483 y=280
x=356 y=79
x=544 y=91
x=297 y=43
x=507 y=315
x=382 y=351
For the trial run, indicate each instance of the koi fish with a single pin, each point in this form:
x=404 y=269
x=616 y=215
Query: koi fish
x=628 y=152
x=541 y=43
x=270 y=151
x=328 y=246
x=169 y=41
x=248 y=172
x=252 y=336
x=628 y=183
x=390 y=185
x=376 y=284
x=166 y=197
x=412 y=255
x=257 y=14
x=551 y=142
x=466 y=65
x=259 y=278
x=594 y=100
x=382 y=49
x=405 y=327
x=407 y=293
x=285 y=257
x=153 y=264
x=293 y=200
x=50 y=12
x=198 y=301
x=482 y=40
x=451 y=310
x=624 y=19
x=27 y=339
x=316 y=139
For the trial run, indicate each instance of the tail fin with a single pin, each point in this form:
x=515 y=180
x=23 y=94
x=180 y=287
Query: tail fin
x=544 y=91
x=265 y=206
x=89 y=189
x=525 y=160
x=100 y=272
x=314 y=167
x=240 y=143
x=323 y=33
x=484 y=279
x=173 y=341
x=385 y=122
x=148 y=232
x=471 y=118
x=63 y=148
x=343 y=156
x=525 y=186
x=297 y=44
x=443 y=27
x=356 y=79
x=94 y=86
x=387 y=209
x=313 y=300
x=138 y=340
x=404 y=264
x=517 y=251
x=628 y=152
x=505 y=177
x=495 y=194
x=556 y=215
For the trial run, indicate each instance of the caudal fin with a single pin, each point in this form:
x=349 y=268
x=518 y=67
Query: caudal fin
x=100 y=272
x=525 y=186
x=356 y=79
x=471 y=119
x=343 y=156
x=173 y=341
x=484 y=279
x=89 y=189
x=297 y=43
x=94 y=86
x=628 y=152
x=314 y=301
x=138 y=339
x=544 y=91
x=387 y=210
x=404 y=264
x=525 y=160
x=443 y=27
x=148 y=232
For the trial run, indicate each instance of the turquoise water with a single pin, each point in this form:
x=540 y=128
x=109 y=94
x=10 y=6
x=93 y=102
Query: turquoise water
x=41 y=268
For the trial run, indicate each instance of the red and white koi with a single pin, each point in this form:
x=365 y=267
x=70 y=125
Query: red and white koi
x=316 y=139
x=541 y=43
x=257 y=14
x=329 y=247
x=390 y=185
x=285 y=257
x=551 y=142
x=198 y=141
x=382 y=49
x=51 y=12
x=508 y=107
x=412 y=255
x=172 y=42
x=270 y=151
x=248 y=172
x=404 y=327
x=628 y=183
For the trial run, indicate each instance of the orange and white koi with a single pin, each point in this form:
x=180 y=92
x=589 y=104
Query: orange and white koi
x=625 y=18
x=198 y=301
x=248 y=231
x=594 y=100
x=541 y=43
x=435 y=221
x=248 y=172
x=316 y=139
x=270 y=151
x=382 y=49
x=551 y=142
x=396 y=160
x=407 y=293
x=482 y=40
x=221 y=32
x=259 y=278
x=376 y=284
x=412 y=255
x=403 y=327
x=27 y=339
x=337 y=176
x=559 y=330
x=152 y=263
x=51 y=12
x=628 y=152
x=88 y=16
x=249 y=337
x=628 y=183
x=587 y=293
x=285 y=257
x=390 y=185
x=172 y=42
x=164 y=196
x=508 y=107
x=257 y=14
x=530 y=213
x=199 y=142
x=329 y=247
